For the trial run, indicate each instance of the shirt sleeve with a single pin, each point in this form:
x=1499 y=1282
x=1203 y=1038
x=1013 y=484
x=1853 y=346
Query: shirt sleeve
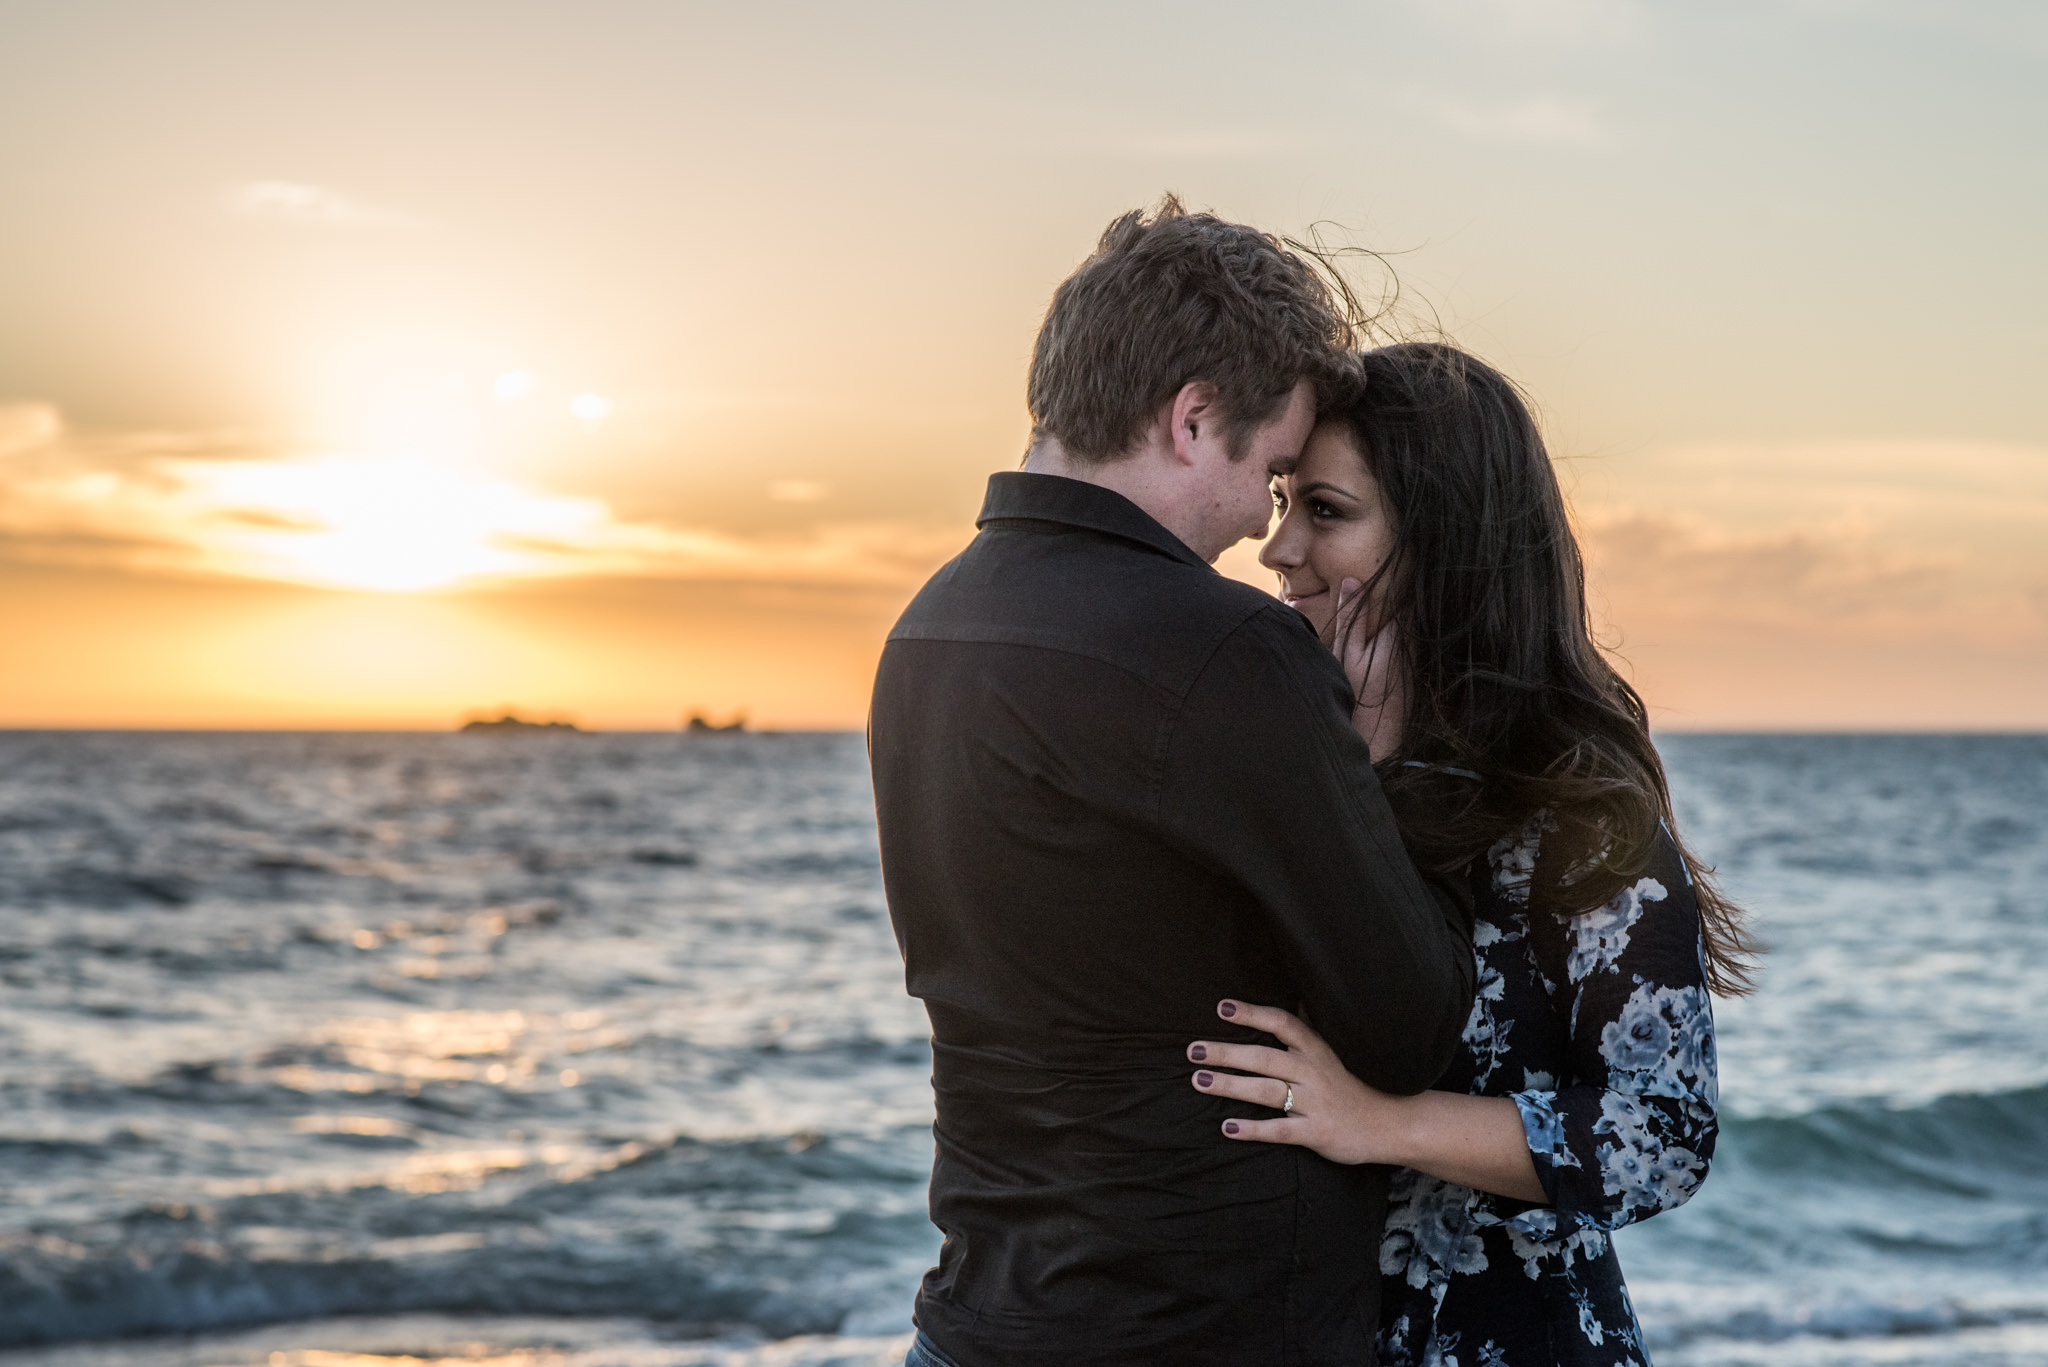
x=1631 y=1130
x=1263 y=778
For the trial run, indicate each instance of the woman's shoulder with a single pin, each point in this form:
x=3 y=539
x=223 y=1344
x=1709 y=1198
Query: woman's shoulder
x=1508 y=869
x=1582 y=938
x=1540 y=849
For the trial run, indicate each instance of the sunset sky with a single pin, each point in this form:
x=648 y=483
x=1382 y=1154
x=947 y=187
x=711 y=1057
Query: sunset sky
x=371 y=364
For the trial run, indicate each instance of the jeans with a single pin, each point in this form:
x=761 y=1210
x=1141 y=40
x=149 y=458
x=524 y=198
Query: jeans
x=924 y=1353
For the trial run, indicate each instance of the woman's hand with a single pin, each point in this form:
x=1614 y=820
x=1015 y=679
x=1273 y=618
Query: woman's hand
x=1369 y=654
x=1476 y=1141
x=1334 y=1113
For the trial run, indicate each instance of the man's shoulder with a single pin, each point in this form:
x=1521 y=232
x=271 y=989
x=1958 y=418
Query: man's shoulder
x=1125 y=606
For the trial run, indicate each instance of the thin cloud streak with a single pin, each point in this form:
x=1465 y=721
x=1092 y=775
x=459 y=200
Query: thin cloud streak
x=1687 y=569
x=384 y=525
x=1879 y=541
x=301 y=204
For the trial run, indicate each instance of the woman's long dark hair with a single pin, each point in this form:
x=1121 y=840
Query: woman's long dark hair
x=1503 y=677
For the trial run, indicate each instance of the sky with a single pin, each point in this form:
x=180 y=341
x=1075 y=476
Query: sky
x=381 y=364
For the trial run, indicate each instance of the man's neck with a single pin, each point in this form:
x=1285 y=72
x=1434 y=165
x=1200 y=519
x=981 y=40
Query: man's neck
x=1145 y=477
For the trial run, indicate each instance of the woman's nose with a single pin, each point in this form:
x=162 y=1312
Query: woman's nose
x=1282 y=547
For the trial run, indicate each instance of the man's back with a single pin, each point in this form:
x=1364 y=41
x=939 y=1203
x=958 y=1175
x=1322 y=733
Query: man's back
x=1114 y=788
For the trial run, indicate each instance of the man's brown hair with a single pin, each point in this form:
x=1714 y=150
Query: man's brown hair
x=1171 y=299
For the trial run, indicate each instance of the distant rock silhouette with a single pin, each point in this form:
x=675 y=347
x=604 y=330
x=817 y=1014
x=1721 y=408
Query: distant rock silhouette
x=508 y=722
x=673 y=859
x=699 y=725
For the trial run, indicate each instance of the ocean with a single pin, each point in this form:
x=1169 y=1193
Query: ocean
x=361 y=1050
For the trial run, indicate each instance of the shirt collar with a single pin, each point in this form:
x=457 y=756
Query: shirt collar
x=1024 y=495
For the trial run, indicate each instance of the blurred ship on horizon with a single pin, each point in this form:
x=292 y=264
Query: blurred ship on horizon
x=510 y=723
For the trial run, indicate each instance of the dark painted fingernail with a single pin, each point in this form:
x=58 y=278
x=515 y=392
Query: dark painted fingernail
x=1198 y=1053
x=1204 y=1079
x=1230 y=1127
x=1227 y=1009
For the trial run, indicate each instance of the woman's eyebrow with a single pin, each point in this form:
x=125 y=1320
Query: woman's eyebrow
x=1324 y=486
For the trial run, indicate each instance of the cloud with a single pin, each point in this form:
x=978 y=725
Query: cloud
x=1542 y=122
x=797 y=491
x=306 y=205
x=1876 y=541
x=1574 y=23
x=1684 y=568
x=390 y=525
x=26 y=427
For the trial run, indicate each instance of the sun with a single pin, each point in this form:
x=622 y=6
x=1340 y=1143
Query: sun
x=390 y=526
x=423 y=485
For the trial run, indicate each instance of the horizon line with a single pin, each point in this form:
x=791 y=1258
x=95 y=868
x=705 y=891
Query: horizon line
x=751 y=730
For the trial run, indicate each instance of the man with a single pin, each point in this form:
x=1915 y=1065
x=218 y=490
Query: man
x=1114 y=788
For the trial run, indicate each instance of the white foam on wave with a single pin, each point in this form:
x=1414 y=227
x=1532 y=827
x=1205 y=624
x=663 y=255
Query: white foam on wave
x=2004 y=1345
x=1689 y=1325
x=447 y=1341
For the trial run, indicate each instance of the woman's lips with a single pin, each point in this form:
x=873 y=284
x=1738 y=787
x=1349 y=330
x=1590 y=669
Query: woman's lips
x=1295 y=600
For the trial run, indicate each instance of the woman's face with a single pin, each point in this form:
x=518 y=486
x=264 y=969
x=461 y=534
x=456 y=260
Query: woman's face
x=1334 y=525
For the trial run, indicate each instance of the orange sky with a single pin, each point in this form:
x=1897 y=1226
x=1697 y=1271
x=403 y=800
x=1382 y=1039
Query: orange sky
x=372 y=365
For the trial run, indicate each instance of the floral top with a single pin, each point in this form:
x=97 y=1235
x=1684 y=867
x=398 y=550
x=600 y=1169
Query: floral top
x=1599 y=1027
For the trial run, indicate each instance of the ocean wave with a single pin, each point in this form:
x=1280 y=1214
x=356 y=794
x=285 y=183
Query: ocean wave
x=1691 y=1315
x=1968 y=1144
x=795 y=1235
x=535 y=1341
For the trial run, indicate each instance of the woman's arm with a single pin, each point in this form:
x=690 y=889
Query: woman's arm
x=1476 y=1141
x=1628 y=1130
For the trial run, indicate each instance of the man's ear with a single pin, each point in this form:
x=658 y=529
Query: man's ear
x=1191 y=416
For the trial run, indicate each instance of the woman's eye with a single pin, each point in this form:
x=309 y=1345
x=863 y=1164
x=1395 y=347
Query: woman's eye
x=1321 y=510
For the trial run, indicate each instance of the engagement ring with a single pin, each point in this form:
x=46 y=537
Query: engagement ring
x=1287 y=1106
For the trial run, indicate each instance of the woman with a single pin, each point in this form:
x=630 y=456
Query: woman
x=1424 y=534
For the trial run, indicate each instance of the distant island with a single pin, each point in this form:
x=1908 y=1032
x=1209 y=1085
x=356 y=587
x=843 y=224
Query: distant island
x=508 y=722
x=700 y=725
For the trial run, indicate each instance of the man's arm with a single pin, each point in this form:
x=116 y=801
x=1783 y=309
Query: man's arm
x=1263 y=777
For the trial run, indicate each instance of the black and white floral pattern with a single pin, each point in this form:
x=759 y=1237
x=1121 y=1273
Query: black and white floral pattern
x=1600 y=1028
